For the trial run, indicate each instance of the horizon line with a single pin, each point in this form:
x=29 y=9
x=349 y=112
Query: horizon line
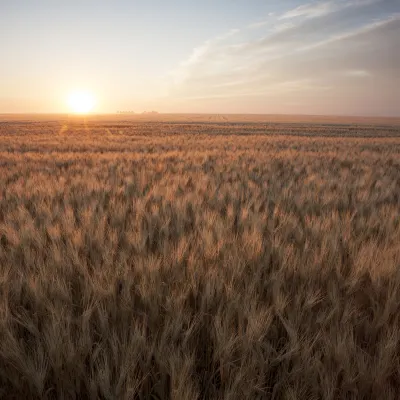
x=157 y=113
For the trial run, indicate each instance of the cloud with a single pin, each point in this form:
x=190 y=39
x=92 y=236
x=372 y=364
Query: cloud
x=311 y=10
x=364 y=29
x=323 y=55
x=320 y=8
x=357 y=73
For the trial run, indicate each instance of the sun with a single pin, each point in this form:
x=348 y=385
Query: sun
x=81 y=101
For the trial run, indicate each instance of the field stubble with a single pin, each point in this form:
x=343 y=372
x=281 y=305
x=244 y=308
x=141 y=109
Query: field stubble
x=199 y=261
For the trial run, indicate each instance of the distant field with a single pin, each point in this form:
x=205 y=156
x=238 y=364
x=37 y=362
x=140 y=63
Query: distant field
x=199 y=257
x=203 y=118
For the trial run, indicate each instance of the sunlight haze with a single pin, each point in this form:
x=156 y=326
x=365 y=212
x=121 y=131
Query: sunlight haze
x=81 y=101
x=231 y=56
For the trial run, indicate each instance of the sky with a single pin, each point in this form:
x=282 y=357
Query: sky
x=333 y=57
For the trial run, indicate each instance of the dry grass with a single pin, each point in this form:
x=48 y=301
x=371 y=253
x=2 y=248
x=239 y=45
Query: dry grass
x=199 y=260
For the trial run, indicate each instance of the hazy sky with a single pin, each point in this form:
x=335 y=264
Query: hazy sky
x=238 y=56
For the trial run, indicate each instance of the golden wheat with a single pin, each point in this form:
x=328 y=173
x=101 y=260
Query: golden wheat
x=191 y=260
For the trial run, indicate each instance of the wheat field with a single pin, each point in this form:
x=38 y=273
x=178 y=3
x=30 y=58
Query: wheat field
x=213 y=258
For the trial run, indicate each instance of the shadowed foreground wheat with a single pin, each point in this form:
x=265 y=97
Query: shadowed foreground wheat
x=199 y=261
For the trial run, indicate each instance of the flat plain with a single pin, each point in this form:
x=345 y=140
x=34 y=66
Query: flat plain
x=199 y=257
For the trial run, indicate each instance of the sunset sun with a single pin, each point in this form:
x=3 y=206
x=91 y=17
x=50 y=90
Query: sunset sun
x=81 y=102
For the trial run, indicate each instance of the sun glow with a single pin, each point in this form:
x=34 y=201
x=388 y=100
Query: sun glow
x=81 y=102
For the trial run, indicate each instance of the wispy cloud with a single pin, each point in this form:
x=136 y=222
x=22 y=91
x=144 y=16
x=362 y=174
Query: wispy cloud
x=357 y=73
x=310 y=10
x=321 y=8
x=319 y=47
